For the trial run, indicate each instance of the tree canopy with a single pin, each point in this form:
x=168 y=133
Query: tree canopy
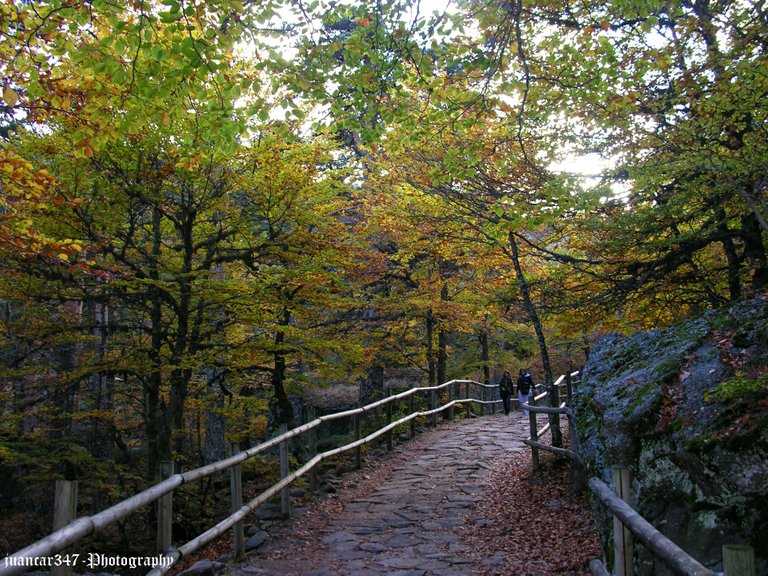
x=208 y=208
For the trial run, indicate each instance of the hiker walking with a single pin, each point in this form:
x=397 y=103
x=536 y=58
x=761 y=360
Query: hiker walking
x=506 y=387
x=524 y=387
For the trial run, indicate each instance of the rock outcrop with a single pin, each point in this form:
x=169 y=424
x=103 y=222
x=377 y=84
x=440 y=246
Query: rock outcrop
x=686 y=409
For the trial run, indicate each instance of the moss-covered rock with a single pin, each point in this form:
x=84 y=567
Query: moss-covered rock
x=686 y=409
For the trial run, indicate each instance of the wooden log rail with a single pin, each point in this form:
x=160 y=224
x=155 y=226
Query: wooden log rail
x=737 y=560
x=565 y=383
x=669 y=552
x=65 y=537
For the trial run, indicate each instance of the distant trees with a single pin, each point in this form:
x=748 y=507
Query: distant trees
x=184 y=264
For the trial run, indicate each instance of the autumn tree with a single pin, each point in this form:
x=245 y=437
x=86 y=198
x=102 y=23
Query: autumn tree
x=301 y=287
x=133 y=100
x=422 y=278
x=672 y=93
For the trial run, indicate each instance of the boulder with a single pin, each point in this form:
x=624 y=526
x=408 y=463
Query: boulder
x=256 y=540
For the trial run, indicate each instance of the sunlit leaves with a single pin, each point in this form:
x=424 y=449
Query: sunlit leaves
x=113 y=69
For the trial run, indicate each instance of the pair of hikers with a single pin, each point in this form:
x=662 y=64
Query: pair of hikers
x=524 y=387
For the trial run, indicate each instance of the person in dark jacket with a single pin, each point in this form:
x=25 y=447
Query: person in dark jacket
x=524 y=387
x=506 y=388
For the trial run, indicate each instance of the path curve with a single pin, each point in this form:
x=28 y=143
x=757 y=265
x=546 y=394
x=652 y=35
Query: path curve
x=410 y=521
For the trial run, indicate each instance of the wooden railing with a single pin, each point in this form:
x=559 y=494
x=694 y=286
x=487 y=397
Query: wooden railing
x=162 y=493
x=737 y=560
x=669 y=552
x=564 y=384
x=54 y=545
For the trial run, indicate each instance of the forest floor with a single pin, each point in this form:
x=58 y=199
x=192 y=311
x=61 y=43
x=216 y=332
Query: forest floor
x=539 y=524
x=525 y=524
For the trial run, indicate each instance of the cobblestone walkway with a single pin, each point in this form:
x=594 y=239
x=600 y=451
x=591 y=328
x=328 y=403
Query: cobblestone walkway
x=411 y=522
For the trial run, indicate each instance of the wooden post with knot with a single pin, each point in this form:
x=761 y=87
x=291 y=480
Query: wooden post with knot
x=738 y=560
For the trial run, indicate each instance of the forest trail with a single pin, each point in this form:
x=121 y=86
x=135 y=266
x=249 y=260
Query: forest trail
x=404 y=514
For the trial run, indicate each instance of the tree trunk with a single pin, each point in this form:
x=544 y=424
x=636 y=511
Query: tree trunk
x=731 y=256
x=442 y=356
x=158 y=429
x=177 y=399
x=283 y=409
x=185 y=333
x=485 y=356
x=429 y=344
x=158 y=447
x=482 y=336
x=442 y=343
x=530 y=308
x=215 y=447
x=586 y=348
x=101 y=391
x=373 y=382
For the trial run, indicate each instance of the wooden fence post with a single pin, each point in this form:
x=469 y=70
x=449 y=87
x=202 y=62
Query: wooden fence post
x=451 y=397
x=165 y=512
x=554 y=419
x=569 y=388
x=412 y=409
x=358 y=454
x=597 y=568
x=389 y=420
x=312 y=449
x=433 y=406
x=285 y=494
x=534 y=430
x=469 y=404
x=65 y=503
x=738 y=560
x=623 y=546
x=236 y=489
x=64 y=511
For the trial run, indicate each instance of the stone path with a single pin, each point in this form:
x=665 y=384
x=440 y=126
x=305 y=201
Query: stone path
x=410 y=523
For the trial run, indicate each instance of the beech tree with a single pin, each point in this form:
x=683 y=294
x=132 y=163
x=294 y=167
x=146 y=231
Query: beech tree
x=672 y=92
x=183 y=251
x=139 y=118
x=302 y=285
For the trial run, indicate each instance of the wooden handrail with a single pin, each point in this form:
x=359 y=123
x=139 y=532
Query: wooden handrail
x=555 y=450
x=532 y=440
x=562 y=409
x=674 y=556
x=85 y=526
